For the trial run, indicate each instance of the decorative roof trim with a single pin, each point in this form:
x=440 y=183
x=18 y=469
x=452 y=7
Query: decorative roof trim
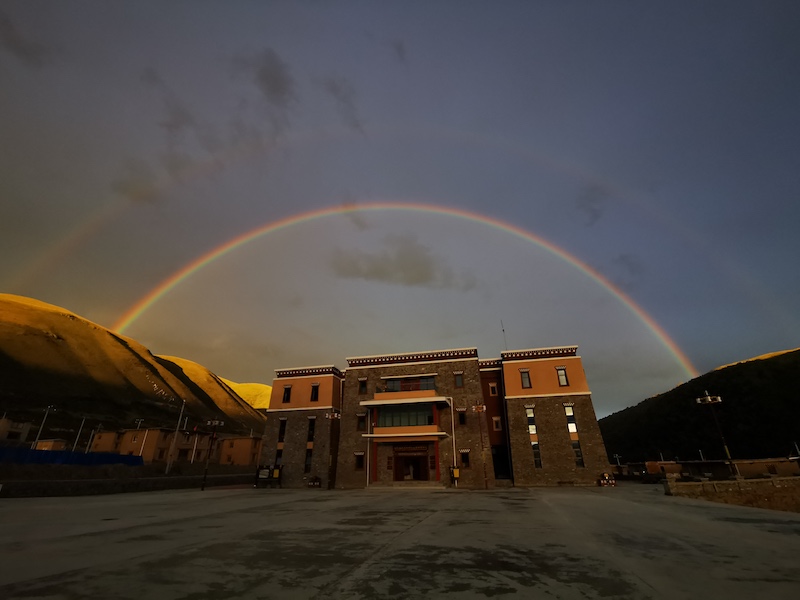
x=428 y=356
x=553 y=352
x=490 y=363
x=309 y=371
x=464 y=450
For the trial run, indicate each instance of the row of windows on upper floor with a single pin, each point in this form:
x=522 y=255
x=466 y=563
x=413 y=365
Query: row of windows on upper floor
x=561 y=373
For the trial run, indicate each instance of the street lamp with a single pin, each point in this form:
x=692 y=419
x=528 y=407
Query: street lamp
x=138 y=422
x=46 y=412
x=175 y=437
x=711 y=401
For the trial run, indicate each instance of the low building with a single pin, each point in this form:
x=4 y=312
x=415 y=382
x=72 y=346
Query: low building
x=14 y=431
x=441 y=417
x=52 y=445
x=242 y=451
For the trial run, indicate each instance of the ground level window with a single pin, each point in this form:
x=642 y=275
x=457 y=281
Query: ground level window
x=359 y=462
x=462 y=418
x=307 y=466
x=465 y=460
x=537 y=455
x=278 y=458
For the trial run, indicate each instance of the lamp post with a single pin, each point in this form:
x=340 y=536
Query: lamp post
x=46 y=412
x=138 y=422
x=214 y=424
x=175 y=437
x=711 y=401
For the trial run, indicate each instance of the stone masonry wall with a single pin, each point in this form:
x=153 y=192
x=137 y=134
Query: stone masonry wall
x=777 y=493
x=473 y=434
x=558 y=458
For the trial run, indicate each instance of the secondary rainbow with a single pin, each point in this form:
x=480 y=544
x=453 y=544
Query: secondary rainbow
x=184 y=273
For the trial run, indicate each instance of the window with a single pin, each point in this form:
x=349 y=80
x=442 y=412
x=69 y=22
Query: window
x=389 y=463
x=464 y=459
x=410 y=384
x=311 y=425
x=314 y=392
x=462 y=418
x=406 y=415
x=497 y=424
x=459 y=379
x=526 y=379
x=572 y=426
x=362 y=386
x=278 y=458
x=307 y=466
x=562 y=376
x=361 y=424
x=287 y=394
x=493 y=389
x=359 y=462
x=576 y=448
x=537 y=455
x=531 y=421
x=282 y=430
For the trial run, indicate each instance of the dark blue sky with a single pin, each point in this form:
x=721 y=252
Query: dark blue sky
x=655 y=142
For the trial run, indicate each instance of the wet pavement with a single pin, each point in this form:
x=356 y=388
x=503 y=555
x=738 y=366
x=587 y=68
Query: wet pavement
x=624 y=542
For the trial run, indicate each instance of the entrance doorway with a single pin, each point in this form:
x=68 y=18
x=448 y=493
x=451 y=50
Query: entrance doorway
x=410 y=468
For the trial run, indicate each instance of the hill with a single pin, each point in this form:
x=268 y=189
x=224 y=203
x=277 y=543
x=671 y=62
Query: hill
x=50 y=356
x=759 y=415
x=256 y=395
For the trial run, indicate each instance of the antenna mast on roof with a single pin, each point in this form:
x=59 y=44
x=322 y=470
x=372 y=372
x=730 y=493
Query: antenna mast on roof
x=505 y=341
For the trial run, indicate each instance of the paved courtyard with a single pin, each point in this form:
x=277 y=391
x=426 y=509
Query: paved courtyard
x=624 y=542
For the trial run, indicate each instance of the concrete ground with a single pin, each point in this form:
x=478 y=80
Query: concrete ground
x=624 y=542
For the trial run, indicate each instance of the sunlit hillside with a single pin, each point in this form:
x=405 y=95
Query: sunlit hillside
x=255 y=394
x=52 y=357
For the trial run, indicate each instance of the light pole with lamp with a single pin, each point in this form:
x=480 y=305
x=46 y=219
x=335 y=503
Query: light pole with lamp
x=711 y=401
x=175 y=437
x=46 y=412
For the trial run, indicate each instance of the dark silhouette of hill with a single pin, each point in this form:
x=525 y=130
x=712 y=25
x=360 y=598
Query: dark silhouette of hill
x=759 y=415
x=50 y=356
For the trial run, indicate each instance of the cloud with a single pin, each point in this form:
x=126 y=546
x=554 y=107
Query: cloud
x=271 y=75
x=351 y=212
x=139 y=183
x=630 y=268
x=404 y=261
x=343 y=92
x=593 y=202
x=399 y=48
x=28 y=52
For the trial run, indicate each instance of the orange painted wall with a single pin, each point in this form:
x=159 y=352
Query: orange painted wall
x=105 y=441
x=239 y=451
x=544 y=377
x=329 y=392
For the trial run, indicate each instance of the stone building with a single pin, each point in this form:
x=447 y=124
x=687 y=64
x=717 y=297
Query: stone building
x=302 y=431
x=443 y=417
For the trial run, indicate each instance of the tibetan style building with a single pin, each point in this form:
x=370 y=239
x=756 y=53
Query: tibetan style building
x=442 y=417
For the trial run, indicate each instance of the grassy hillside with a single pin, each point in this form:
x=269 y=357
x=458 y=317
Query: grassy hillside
x=759 y=415
x=50 y=356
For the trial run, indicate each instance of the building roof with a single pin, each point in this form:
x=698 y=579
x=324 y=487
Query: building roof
x=552 y=352
x=426 y=356
x=302 y=371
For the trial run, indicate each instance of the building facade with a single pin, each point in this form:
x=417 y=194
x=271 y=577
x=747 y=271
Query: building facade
x=441 y=417
x=302 y=430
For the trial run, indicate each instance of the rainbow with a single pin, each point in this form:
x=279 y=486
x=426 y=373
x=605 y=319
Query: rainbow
x=184 y=273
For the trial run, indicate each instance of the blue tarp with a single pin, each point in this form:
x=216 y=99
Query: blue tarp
x=65 y=457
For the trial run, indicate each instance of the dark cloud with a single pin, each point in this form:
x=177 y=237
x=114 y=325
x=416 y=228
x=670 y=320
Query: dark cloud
x=343 y=92
x=404 y=261
x=139 y=182
x=399 y=48
x=27 y=51
x=351 y=212
x=178 y=118
x=630 y=270
x=592 y=202
x=271 y=75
